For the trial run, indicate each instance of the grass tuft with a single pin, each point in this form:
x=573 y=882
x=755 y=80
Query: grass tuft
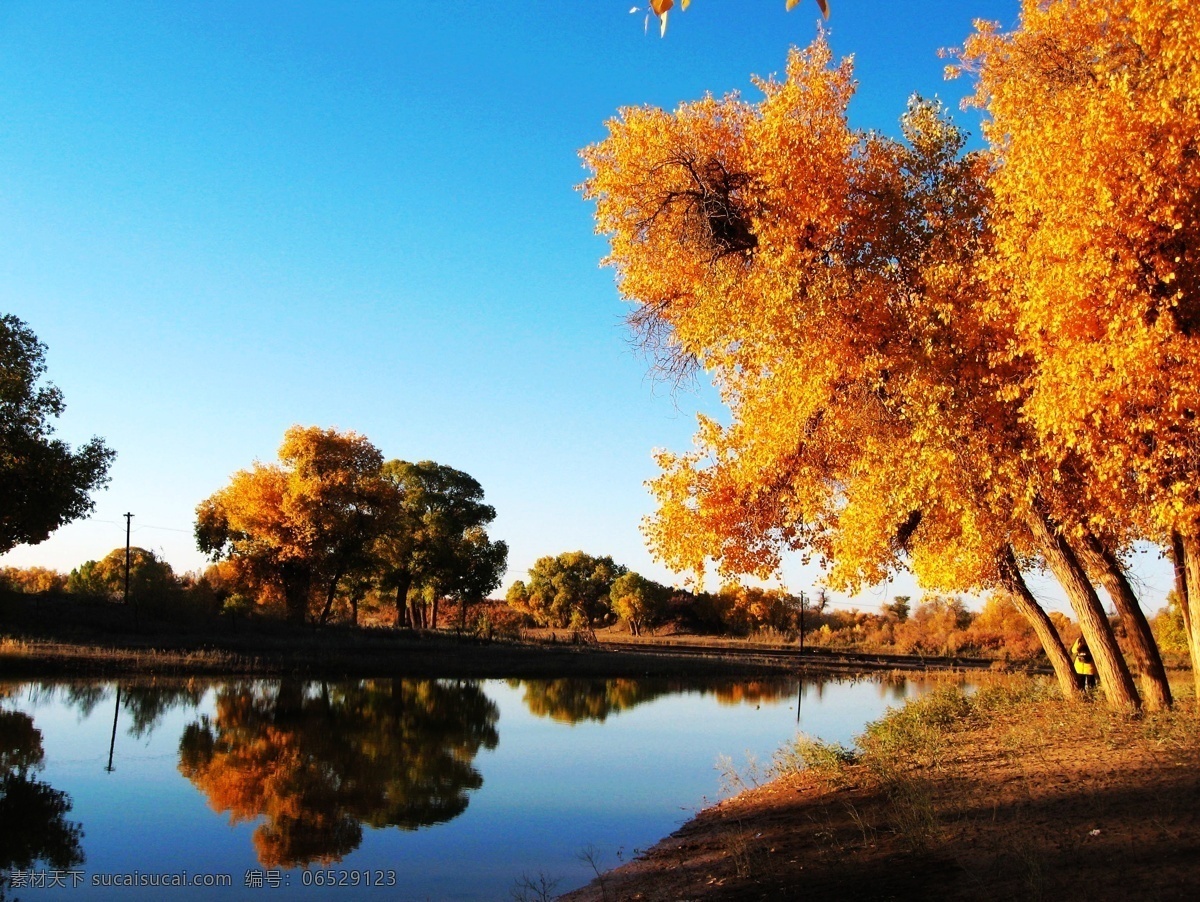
x=828 y=761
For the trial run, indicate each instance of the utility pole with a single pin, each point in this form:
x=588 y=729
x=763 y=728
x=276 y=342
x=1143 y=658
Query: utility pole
x=803 y=604
x=128 y=522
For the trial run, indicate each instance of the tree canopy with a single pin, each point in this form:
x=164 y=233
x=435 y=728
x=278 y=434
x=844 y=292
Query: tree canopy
x=436 y=538
x=294 y=529
x=571 y=589
x=149 y=576
x=332 y=518
x=43 y=483
x=869 y=310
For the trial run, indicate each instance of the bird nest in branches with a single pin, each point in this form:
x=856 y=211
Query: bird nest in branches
x=710 y=210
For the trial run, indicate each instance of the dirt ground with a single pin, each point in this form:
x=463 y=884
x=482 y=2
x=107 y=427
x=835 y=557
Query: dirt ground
x=1051 y=802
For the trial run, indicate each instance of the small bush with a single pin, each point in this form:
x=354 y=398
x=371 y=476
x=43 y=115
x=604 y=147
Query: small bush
x=916 y=731
x=826 y=760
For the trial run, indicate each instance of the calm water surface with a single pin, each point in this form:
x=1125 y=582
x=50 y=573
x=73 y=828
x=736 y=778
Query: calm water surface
x=436 y=789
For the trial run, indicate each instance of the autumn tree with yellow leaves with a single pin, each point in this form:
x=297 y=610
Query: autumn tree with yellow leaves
x=857 y=301
x=1094 y=109
x=331 y=516
x=295 y=529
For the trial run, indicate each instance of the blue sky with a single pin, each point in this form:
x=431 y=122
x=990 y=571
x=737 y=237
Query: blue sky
x=224 y=218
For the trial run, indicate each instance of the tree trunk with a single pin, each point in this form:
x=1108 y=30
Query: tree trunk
x=1097 y=632
x=295 y=599
x=1190 y=602
x=1018 y=592
x=329 y=597
x=436 y=599
x=462 y=614
x=1106 y=569
x=402 y=613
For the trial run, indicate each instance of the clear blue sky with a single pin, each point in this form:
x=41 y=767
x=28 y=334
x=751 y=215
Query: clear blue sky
x=224 y=218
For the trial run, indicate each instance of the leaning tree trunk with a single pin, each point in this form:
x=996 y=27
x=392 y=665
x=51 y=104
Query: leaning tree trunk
x=1189 y=546
x=1106 y=569
x=1097 y=631
x=329 y=597
x=1018 y=592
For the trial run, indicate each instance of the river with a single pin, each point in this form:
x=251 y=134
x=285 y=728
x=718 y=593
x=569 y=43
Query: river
x=408 y=789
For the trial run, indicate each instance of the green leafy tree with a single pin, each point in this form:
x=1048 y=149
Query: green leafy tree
x=899 y=607
x=638 y=601
x=569 y=590
x=434 y=542
x=480 y=565
x=43 y=483
x=1170 y=627
x=149 y=576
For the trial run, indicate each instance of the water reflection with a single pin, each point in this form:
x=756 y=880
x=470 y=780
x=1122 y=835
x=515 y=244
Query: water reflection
x=573 y=701
x=316 y=761
x=33 y=815
x=144 y=703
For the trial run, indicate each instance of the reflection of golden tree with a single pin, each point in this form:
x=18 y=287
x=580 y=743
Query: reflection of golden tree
x=755 y=692
x=318 y=762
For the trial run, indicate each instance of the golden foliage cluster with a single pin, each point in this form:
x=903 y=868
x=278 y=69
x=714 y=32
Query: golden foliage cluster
x=963 y=363
x=662 y=9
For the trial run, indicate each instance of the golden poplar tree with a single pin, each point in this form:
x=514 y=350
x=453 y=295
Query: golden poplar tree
x=294 y=530
x=1094 y=111
x=839 y=288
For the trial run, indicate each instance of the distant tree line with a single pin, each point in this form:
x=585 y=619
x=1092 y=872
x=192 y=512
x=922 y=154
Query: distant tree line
x=313 y=538
x=577 y=591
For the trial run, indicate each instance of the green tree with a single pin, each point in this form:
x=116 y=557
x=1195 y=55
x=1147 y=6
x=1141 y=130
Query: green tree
x=1169 y=626
x=149 y=576
x=480 y=567
x=435 y=540
x=43 y=483
x=638 y=601
x=900 y=607
x=569 y=590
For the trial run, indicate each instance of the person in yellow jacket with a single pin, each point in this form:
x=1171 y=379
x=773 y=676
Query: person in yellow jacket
x=1085 y=667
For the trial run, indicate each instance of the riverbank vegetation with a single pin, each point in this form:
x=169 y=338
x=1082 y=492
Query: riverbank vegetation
x=1009 y=792
x=88 y=609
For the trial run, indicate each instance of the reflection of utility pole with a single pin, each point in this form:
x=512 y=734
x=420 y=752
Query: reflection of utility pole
x=128 y=521
x=113 y=741
x=799 y=699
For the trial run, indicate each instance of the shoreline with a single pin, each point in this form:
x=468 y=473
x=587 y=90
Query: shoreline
x=58 y=637
x=1036 y=799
